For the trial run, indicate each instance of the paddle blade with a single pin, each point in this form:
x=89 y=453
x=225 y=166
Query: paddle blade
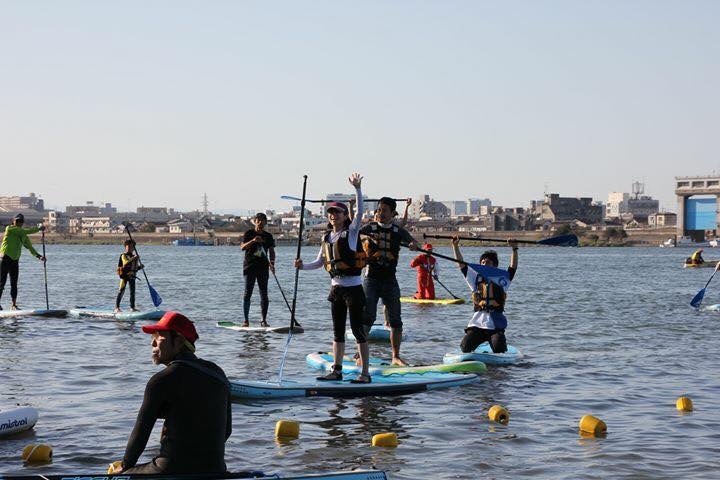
x=697 y=299
x=498 y=276
x=288 y=197
x=156 y=298
x=560 y=241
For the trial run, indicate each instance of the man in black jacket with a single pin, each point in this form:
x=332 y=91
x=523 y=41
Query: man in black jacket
x=192 y=395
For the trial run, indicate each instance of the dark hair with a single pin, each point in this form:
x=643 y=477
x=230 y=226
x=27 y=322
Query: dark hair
x=491 y=255
x=129 y=242
x=391 y=203
x=260 y=216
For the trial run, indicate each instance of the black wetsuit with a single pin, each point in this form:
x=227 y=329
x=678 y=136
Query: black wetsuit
x=195 y=403
x=255 y=268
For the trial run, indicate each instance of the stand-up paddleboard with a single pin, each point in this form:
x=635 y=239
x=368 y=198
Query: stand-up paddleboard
x=324 y=361
x=381 y=385
x=359 y=475
x=40 y=312
x=238 y=327
x=434 y=301
x=378 y=333
x=706 y=264
x=484 y=354
x=17 y=420
x=80 y=312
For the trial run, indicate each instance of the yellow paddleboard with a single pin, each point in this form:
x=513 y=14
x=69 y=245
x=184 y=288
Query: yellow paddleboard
x=436 y=301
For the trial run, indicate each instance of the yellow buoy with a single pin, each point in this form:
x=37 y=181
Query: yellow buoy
x=593 y=426
x=37 y=453
x=499 y=414
x=388 y=439
x=684 y=404
x=287 y=429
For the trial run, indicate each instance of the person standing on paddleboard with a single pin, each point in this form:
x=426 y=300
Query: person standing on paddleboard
x=127 y=267
x=192 y=395
x=488 y=322
x=14 y=239
x=258 y=245
x=382 y=244
x=427 y=269
x=343 y=258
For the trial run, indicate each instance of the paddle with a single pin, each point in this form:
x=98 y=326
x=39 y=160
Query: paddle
x=698 y=298
x=483 y=270
x=293 y=322
x=278 y=284
x=47 y=298
x=156 y=298
x=559 y=241
x=296 y=199
x=441 y=284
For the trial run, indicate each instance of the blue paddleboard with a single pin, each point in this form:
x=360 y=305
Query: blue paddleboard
x=484 y=354
x=381 y=385
x=80 y=312
x=324 y=361
x=378 y=333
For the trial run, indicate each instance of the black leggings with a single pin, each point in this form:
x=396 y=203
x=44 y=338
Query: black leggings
x=121 y=292
x=9 y=266
x=261 y=275
x=343 y=300
x=474 y=336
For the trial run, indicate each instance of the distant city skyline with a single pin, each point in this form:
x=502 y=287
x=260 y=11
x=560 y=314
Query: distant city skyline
x=284 y=205
x=153 y=104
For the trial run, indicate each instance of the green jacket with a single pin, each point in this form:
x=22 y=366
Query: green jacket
x=14 y=239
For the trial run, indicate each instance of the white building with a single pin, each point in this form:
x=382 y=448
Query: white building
x=617 y=204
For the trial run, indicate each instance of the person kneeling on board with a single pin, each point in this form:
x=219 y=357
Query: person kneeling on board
x=192 y=395
x=696 y=258
x=488 y=322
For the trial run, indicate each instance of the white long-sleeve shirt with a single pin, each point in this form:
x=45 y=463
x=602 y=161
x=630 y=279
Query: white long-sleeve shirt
x=353 y=234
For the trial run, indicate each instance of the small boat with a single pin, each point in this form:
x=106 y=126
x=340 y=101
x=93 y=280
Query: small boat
x=192 y=242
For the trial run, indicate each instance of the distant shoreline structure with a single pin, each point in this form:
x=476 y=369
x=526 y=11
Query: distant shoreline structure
x=645 y=237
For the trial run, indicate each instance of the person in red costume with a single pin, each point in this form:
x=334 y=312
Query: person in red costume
x=427 y=269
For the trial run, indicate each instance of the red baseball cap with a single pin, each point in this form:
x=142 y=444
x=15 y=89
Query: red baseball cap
x=427 y=246
x=176 y=322
x=337 y=206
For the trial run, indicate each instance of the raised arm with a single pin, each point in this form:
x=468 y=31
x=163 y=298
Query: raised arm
x=514 y=256
x=403 y=220
x=456 y=250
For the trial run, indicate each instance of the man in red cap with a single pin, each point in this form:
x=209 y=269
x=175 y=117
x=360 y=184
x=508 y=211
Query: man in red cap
x=427 y=269
x=192 y=395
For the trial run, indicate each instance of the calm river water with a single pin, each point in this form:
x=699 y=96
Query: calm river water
x=605 y=331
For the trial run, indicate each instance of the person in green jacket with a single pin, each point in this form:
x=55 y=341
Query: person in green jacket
x=14 y=239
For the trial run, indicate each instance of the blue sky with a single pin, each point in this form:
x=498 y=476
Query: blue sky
x=154 y=103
